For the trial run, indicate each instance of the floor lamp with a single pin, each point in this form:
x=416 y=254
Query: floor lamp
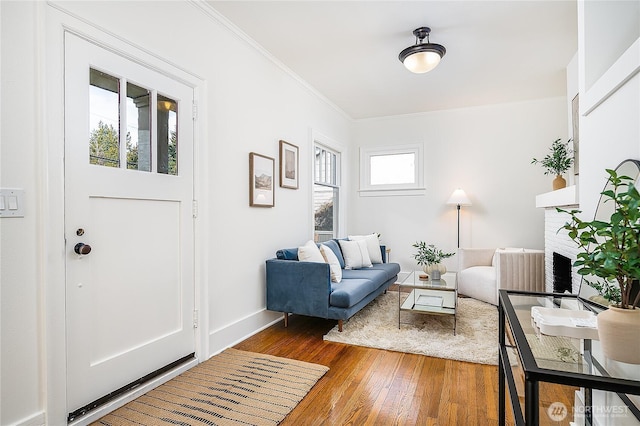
x=459 y=198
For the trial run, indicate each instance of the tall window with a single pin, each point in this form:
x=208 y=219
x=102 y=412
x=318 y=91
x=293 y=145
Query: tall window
x=326 y=188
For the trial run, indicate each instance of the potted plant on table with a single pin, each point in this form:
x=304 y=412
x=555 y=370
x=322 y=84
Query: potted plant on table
x=557 y=162
x=611 y=251
x=430 y=258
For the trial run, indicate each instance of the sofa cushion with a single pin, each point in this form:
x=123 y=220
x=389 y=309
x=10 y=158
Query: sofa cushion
x=334 y=264
x=377 y=275
x=373 y=246
x=356 y=254
x=287 y=254
x=391 y=269
x=478 y=282
x=479 y=275
x=351 y=291
x=333 y=245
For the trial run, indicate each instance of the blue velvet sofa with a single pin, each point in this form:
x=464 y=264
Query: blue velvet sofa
x=305 y=288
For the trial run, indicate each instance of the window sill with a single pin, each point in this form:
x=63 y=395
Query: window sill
x=392 y=192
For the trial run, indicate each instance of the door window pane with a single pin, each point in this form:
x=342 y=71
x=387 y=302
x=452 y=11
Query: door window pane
x=167 y=136
x=138 y=128
x=106 y=112
x=104 y=119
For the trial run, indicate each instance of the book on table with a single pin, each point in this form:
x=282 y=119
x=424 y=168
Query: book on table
x=427 y=300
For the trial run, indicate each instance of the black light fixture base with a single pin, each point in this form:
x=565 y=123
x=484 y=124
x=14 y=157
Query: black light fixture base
x=422 y=32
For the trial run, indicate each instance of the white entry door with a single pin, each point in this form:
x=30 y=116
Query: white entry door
x=128 y=221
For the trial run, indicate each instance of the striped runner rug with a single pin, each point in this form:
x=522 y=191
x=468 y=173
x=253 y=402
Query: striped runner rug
x=232 y=388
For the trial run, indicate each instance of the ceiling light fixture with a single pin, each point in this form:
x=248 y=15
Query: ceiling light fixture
x=422 y=57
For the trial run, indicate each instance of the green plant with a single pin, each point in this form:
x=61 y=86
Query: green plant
x=609 y=290
x=428 y=254
x=611 y=249
x=559 y=160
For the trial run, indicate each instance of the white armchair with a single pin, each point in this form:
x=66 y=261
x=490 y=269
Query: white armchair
x=482 y=272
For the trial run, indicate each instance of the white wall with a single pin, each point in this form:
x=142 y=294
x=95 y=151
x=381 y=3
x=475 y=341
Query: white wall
x=21 y=254
x=248 y=103
x=609 y=95
x=486 y=151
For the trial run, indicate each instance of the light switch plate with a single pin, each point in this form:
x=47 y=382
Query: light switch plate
x=13 y=205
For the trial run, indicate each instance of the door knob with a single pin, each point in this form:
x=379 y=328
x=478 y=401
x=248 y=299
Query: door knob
x=82 y=248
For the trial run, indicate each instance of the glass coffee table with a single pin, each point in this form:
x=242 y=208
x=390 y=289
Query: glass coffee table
x=429 y=297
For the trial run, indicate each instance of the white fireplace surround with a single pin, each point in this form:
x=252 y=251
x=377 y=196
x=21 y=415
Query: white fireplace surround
x=555 y=238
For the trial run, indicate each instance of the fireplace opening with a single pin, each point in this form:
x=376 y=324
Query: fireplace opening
x=561 y=273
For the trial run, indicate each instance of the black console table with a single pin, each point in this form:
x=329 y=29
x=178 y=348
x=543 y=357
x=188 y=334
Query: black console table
x=610 y=388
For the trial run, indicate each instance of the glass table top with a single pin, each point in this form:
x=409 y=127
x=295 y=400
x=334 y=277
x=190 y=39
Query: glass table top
x=413 y=279
x=576 y=351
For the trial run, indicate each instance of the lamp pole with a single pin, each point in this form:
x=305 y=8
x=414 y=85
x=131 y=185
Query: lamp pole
x=459 y=198
x=458 y=208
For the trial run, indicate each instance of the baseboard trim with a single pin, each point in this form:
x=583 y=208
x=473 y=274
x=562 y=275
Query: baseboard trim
x=234 y=333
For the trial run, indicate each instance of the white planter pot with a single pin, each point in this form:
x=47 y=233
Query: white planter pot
x=435 y=271
x=619 y=333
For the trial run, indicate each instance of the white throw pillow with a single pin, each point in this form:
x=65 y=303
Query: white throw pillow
x=334 y=265
x=355 y=253
x=310 y=252
x=373 y=246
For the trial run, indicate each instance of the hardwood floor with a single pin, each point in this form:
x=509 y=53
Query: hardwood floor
x=376 y=387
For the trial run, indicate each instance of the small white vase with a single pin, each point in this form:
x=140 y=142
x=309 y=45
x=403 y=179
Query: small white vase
x=619 y=334
x=435 y=270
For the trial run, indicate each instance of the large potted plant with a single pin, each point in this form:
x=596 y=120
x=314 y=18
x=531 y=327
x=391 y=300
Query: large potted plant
x=430 y=258
x=611 y=251
x=558 y=161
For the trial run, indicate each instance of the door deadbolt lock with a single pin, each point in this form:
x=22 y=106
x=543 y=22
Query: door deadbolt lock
x=80 y=232
x=82 y=249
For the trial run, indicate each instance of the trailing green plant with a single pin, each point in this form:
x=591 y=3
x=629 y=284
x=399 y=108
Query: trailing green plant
x=559 y=160
x=428 y=254
x=611 y=250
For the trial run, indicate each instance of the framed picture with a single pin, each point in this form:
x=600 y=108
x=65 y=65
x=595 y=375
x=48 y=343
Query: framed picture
x=288 y=165
x=261 y=172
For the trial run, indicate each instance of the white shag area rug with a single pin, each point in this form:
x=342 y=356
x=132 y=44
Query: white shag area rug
x=376 y=326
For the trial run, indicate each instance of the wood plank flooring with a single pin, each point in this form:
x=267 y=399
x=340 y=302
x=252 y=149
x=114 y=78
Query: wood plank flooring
x=375 y=387
x=368 y=386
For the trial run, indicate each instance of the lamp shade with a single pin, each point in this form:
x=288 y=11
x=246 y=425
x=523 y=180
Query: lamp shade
x=422 y=62
x=459 y=198
x=422 y=57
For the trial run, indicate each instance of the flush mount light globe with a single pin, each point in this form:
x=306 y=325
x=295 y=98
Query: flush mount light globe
x=422 y=57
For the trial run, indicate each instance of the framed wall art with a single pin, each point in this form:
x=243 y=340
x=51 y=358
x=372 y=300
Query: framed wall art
x=261 y=173
x=289 y=172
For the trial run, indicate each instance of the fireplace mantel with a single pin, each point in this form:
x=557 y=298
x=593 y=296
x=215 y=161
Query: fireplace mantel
x=559 y=198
